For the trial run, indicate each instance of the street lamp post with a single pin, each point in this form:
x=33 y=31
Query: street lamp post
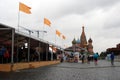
x=38 y=31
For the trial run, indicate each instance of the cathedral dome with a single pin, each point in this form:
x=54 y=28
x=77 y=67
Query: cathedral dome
x=74 y=41
x=90 y=40
x=78 y=41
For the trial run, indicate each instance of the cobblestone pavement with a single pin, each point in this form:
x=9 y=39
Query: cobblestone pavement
x=67 y=71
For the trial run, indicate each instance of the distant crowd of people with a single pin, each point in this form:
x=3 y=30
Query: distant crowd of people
x=94 y=58
x=35 y=55
x=84 y=58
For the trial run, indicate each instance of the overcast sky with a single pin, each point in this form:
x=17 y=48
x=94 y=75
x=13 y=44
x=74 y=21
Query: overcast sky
x=101 y=19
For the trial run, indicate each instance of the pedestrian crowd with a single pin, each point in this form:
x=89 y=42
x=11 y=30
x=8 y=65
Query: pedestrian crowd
x=85 y=58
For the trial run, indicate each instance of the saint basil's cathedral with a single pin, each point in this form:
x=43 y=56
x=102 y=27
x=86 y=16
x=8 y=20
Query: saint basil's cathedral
x=81 y=44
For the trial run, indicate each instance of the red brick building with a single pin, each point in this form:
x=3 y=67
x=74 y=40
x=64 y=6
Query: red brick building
x=116 y=49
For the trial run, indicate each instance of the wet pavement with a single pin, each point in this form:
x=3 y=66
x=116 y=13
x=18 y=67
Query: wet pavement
x=68 y=71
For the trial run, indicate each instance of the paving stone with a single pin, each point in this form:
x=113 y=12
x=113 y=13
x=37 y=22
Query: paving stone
x=67 y=71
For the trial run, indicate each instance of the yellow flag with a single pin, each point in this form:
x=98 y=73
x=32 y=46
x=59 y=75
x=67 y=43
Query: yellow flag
x=47 y=22
x=63 y=37
x=58 y=33
x=24 y=8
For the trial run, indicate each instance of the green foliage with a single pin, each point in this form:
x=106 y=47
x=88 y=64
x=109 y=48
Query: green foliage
x=103 y=55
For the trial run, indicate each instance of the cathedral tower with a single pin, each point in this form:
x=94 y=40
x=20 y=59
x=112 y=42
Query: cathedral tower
x=90 y=46
x=82 y=44
x=83 y=39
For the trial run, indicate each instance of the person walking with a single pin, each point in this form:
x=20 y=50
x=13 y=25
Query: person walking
x=95 y=56
x=88 y=59
x=61 y=58
x=82 y=58
x=112 y=58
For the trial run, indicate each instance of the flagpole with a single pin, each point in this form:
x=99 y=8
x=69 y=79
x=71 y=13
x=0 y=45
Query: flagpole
x=24 y=8
x=55 y=37
x=43 y=31
x=18 y=18
x=61 y=42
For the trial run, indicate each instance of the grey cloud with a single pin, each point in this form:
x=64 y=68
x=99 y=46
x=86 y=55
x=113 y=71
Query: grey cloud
x=109 y=33
x=67 y=7
x=112 y=19
x=112 y=24
x=83 y=6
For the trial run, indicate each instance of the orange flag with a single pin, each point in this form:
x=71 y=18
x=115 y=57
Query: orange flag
x=47 y=22
x=63 y=37
x=24 y=8
x=53 y=48
x=58 y=33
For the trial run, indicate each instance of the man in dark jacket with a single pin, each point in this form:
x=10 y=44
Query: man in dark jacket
x=112 y=58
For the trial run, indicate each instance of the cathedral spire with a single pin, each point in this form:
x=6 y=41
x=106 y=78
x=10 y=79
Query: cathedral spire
x=83 y=38
x=82 y=28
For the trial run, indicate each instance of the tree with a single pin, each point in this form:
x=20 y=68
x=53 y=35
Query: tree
x=103 y=55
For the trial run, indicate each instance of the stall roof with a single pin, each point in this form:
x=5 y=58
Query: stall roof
x=3 y=27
